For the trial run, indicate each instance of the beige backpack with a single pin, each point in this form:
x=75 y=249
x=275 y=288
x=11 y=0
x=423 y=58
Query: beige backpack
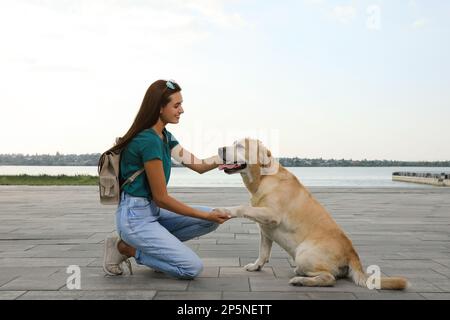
x=108 y=172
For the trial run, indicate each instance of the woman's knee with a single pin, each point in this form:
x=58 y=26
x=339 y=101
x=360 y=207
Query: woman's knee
x=208 y=226
x=192 y=271
x=213 y=226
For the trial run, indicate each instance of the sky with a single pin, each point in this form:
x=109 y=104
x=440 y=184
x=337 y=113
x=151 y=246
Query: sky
x=309 y=78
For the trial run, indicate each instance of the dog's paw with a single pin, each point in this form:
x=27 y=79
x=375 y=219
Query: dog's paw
x=228 y=211
x=297 y=281
x=253 y=267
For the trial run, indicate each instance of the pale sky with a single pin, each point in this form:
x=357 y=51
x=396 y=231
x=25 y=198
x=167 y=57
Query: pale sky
x=312 y=78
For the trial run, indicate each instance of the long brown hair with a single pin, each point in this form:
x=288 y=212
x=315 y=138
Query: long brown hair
x=156 y=97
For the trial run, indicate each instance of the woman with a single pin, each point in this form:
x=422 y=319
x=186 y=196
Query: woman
x=151 y=224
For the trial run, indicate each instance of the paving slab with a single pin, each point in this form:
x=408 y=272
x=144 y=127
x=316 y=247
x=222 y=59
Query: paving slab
x=273 y=295
x=203 y=295
x=89 y=295
x=221 y=284
x=11 y=295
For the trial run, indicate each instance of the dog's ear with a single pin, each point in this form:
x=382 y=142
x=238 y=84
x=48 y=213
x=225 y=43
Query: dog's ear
x=268 y=164
x=266 y=160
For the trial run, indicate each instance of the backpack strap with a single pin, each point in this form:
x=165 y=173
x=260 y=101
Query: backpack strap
x=133 y=177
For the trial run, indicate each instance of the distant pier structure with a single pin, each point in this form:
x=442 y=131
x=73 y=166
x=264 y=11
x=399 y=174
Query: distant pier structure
x=434 y=178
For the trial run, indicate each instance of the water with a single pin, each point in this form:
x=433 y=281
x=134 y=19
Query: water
x=310 y=177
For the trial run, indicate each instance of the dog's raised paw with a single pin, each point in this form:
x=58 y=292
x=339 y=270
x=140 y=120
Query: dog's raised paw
x=252 y=267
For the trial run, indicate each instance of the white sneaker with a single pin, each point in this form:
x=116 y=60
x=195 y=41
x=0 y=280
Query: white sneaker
x=112 y=258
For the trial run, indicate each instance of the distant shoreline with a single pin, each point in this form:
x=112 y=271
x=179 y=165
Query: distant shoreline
x=75 y=160
x=287 y=165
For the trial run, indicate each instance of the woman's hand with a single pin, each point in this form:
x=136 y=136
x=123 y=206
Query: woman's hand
x=218 y=216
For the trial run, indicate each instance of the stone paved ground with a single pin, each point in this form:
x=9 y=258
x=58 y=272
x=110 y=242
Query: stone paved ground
x=45 y=229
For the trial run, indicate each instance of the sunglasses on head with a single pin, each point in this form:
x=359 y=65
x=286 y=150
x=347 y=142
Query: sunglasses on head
x=170 y=84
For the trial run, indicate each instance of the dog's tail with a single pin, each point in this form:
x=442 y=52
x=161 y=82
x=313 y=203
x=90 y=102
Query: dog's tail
x=358 y=276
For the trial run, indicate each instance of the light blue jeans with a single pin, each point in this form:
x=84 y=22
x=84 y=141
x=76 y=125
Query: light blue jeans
x=157 y=235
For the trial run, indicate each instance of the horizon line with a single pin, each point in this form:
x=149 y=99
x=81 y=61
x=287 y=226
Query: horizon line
x=281 y=157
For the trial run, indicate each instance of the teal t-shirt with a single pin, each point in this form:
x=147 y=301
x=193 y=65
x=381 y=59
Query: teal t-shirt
x=145 y=146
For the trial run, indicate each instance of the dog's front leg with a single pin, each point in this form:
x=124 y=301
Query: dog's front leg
x=234 y=212
x=265 y=247
x=261 y=215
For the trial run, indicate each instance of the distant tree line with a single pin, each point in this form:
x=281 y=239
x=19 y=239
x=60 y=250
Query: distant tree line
x=92 y=159
x=298 y=162
x=49 y=160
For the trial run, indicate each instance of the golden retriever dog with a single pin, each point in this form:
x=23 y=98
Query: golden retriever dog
x=288 y=214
